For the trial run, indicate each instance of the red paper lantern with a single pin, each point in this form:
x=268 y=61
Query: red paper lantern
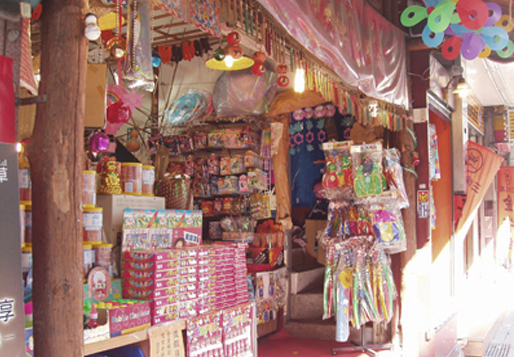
x=282 y=68
x=233 y=38
x=283 y=81
x=235 y=51
x=258 y=69
x=259 y=56
x=118 y=112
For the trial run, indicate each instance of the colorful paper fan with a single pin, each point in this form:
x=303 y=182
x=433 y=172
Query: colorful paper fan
x=476 y=28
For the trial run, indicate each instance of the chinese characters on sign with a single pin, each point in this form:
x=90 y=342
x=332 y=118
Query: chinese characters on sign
x=6 y=310
x=166 y=341
x=482 y=164
x=3 y=171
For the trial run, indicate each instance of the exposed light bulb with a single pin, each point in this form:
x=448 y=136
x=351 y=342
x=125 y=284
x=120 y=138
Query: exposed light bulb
x=18 y=147
x=299 y=80
x=229 y=61
x=92 y=31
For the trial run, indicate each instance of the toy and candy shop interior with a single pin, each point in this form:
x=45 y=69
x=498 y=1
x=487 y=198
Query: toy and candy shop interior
x=207 y=178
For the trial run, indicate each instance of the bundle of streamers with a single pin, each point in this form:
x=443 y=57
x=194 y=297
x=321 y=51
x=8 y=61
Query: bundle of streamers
x=345 y=220
x=365 y=288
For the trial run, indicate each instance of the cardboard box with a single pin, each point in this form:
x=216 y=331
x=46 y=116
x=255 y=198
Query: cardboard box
x=101 y=333
x=113 y=206
x=126 y=319
x=96 y=96
x=311 y=228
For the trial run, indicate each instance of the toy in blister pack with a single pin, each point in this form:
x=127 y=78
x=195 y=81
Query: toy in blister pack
x=335 y=219
x=172 y=144
x=338 y=177
x=185 y=143
x=359 y=221
x=232 y=139
x=388 y=227
x=368 y=179
x=216 y=138
x=213 y=164
x=393 y=173
x=224 y=163
x=200 y=140
x=189 y=168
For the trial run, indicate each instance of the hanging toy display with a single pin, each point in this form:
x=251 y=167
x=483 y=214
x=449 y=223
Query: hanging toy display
x=133 y=144
x=118 y=112
x=219 y=54
x=109 y=177
x=393 y=173
x=388 y=227
x=283 y=81
x=235 y=51
x=259 y=57
x=368 y=179
x=338 y=177
x=138 y=65
x=233 y=38
x=258 y=69
x=156 y=59
x=99 y=142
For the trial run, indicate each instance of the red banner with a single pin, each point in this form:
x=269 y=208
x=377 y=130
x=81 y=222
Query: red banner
x=482 y=164
x=7 y=120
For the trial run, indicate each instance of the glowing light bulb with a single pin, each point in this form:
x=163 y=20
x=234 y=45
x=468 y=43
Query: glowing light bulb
x=92 y=31
x=299 y=80
x=19 y=147
x=229 y=61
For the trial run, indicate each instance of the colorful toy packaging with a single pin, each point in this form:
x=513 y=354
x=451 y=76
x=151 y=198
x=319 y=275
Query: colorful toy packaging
x=145 y=229
x=368 y=179
x=338 y=177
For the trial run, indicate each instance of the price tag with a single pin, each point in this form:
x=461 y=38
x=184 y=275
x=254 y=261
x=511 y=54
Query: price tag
x=25 y=10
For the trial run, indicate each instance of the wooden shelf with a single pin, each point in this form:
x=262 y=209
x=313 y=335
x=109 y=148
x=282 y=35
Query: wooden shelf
x=137 y=337
x=118 y=341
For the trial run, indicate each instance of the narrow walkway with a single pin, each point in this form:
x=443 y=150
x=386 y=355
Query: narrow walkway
x=282 y=344
x=502 y=344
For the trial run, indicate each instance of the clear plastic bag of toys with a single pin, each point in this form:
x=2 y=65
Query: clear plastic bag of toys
x=338 y=177
x=368 y=178
x=393 y=173
x=388 y=225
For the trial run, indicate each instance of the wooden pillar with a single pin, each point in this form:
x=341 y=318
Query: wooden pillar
x=56 y=158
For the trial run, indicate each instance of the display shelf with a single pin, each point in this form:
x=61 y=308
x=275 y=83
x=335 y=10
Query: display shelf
x=136 y=337
x=118 y=341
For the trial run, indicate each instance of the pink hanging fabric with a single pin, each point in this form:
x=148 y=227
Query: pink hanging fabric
x=360 y=45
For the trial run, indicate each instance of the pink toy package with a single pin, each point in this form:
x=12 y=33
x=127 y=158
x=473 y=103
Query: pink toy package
x=150 y=283
x=149 y=274
x=152 y=255
x=149 y=265
x=165 y=300
x=147 y=294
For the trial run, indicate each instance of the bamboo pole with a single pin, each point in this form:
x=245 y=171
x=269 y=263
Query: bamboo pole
x=56 y=158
